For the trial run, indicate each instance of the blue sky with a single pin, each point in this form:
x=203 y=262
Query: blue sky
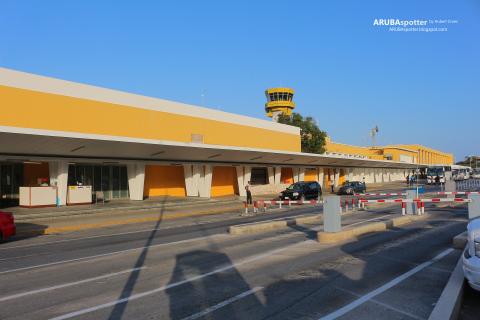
x=349 y=75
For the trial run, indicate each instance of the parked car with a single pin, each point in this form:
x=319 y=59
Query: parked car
x=476 y=174
x=471 y=255
x=7 y=225
x=302 y=191
x=352 y=187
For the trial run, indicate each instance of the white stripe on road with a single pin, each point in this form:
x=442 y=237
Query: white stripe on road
x=69 y=284
x=176 y=284
x=363 y=221
x=223 y=304
x=356 y=303
x=103 y=255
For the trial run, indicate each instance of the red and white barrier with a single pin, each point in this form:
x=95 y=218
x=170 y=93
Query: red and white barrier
x=379 y=194
x=264 y=204
x=443 y=193
x=415 y=200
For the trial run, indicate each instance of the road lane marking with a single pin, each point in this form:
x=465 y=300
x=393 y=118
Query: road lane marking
x=365 y=298
x=103 y=255
x=382 y=304
x=116 y=234
x=69 y=284
x=368 y=220
x=223 y=304
x=176 y=284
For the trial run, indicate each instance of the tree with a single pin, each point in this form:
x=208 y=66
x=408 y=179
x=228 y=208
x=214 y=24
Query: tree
x=313 y=139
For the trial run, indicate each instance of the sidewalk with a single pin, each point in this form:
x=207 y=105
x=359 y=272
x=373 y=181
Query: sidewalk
x=28 y=214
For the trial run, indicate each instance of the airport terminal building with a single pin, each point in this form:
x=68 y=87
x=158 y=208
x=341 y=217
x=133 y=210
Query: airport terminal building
x=68 y=143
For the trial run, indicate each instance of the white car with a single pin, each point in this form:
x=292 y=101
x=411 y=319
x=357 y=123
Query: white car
x=476 y=175
x=471 y=256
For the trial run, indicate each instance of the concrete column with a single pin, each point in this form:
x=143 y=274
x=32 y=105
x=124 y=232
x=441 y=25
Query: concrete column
x=337 y=177
x=371 y=175
x=136 y=180
x=384 y=175
x=278 y=175
x=58 y=171
x=321 y=178
x=296 y=174
x=240 y=181
x=350 y=174
x=190 y=185
x=301 y=174
x=205 y=185
x=378 y=176
x=271 y=175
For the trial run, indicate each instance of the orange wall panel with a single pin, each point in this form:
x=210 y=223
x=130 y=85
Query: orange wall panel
x=311 y=175
x=164 y=181
x=224 y=181
x=287 y=175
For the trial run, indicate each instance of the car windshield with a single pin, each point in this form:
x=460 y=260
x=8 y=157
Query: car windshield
x=295 y=186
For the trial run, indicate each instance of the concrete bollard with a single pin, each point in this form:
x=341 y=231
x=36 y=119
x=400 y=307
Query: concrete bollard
x=474 y=206
x=404 y=207
x=264 y=206
x=246 y=207
x=411 y=194
x=423 y=207
x=332 y=220
x=353 y=204
x=255 y=207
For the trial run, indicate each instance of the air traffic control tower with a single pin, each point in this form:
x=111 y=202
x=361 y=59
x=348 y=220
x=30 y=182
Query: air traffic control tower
x=279 y=101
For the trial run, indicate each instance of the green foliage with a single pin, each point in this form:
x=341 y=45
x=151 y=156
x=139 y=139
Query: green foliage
x=313 y=139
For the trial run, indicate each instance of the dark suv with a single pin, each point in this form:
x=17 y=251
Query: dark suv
x=302 y=191
x=352 y=187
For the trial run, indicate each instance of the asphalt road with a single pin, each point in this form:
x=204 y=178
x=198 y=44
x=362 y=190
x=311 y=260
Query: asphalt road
x=197 y=271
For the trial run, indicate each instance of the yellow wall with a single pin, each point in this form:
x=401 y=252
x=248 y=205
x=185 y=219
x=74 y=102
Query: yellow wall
x=33 y=171
x=287 y=175
x=431 y=156
x=420 y=154
x=224 y=181
x=38 y=110
x=164 y=181
x=311 y=175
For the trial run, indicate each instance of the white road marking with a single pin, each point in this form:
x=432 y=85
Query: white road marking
x=176 y=284
x=365 y=298
x=368 y=220
x=69 y=284
x=223 y=304
x=103 y=255
x=384 y=305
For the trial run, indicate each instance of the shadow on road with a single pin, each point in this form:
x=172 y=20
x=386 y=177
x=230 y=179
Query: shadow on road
x=193 y=297
x=119 y=308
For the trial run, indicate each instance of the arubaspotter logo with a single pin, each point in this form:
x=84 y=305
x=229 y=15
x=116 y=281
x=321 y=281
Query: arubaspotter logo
x=414 y=25
x=398 y=22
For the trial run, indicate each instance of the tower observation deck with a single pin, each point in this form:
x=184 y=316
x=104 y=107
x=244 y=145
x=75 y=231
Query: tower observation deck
x=279 y=101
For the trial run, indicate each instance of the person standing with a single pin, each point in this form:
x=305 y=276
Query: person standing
x=332 y=186
x=408 y=180
x=249 y=193
x=364 y=184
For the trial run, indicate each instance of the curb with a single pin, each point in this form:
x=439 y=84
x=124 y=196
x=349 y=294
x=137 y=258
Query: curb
x=110 y=210
x=110 y=223
x=352 y=233
x=460 y=240
x=277 y=224
x=449 y=303
x=272 y=224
